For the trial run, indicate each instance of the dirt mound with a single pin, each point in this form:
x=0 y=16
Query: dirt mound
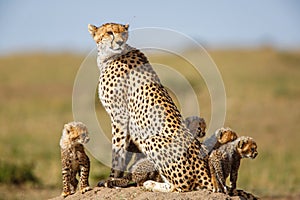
x=140 y=193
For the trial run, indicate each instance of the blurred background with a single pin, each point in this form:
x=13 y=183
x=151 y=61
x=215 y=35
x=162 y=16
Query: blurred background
x=255 y=45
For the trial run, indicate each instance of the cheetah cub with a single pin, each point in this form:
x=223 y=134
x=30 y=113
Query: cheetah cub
x=225 y=161
x=142 y=171
x=73 y=158
x=220 y=137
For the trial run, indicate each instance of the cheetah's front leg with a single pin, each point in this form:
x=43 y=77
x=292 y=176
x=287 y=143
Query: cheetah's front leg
x=66 y=176
x=119 y=145
x=84 y=176
x=216 y=171
x=74 y=181
x=234 y=174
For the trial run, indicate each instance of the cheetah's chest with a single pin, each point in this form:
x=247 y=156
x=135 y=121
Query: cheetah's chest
x=111 y=85
x=121 y=83
x=70 y=158
x=74 y=161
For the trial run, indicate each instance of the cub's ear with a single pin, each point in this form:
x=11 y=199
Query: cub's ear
x=68 y=128
x=221 y=133
x=92 y=29
x=126 y=26
x=241 y=144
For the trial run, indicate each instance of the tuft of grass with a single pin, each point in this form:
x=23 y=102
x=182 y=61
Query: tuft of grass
x=17 y=173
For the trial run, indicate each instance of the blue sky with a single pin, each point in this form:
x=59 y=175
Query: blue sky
x=61 y=25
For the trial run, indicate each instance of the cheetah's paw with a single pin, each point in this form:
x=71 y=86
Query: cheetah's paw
x=158 y=187
x=65 y=194
x=85 y=189
x=149 y=185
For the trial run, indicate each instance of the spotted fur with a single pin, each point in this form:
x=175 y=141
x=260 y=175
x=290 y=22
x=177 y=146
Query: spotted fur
x=144 y=169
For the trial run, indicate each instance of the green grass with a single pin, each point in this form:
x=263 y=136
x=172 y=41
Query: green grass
x=263 y=101
x=17 y=173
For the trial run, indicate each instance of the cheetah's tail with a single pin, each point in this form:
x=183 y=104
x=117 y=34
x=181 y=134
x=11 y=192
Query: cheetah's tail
x=244 y=194
x=116 y=182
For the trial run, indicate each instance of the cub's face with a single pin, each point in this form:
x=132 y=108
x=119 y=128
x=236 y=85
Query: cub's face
x=196 y=125
x=75 y=132
x=110 y=35
x=226 y=135
x=247 y=147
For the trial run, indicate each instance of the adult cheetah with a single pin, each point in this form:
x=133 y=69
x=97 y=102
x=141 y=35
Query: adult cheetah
x=141 y=110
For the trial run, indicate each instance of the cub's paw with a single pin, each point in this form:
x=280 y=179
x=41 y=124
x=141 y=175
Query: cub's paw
x=85 y=189
x=101 y=183
x=65 y=194
x=226 y=190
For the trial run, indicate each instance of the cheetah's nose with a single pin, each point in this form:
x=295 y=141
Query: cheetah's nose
x=120 y=42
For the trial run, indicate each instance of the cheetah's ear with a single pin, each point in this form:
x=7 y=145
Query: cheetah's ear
x=68 y=128
x=221 y=133
x=126 y=26
x=92 y=29
x=241 y=144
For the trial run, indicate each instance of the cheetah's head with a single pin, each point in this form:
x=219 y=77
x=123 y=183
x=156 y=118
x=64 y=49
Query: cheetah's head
x=247 y=147
x=110 y=36
x=74 y=133
x=196 y=125
x=226 y=135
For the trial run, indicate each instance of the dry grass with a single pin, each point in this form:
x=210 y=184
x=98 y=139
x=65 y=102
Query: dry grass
x=263 y=96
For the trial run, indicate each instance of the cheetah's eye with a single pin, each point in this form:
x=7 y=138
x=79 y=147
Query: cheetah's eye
x=109 y=32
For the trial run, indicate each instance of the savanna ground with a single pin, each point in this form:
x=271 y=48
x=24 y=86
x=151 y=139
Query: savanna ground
x=263 y=101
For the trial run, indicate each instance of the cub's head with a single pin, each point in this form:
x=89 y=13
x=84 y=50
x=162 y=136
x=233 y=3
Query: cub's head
x=111 y=36
x=226 y=135
x=247 y=147
x=196 y=125
x=74 y=133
